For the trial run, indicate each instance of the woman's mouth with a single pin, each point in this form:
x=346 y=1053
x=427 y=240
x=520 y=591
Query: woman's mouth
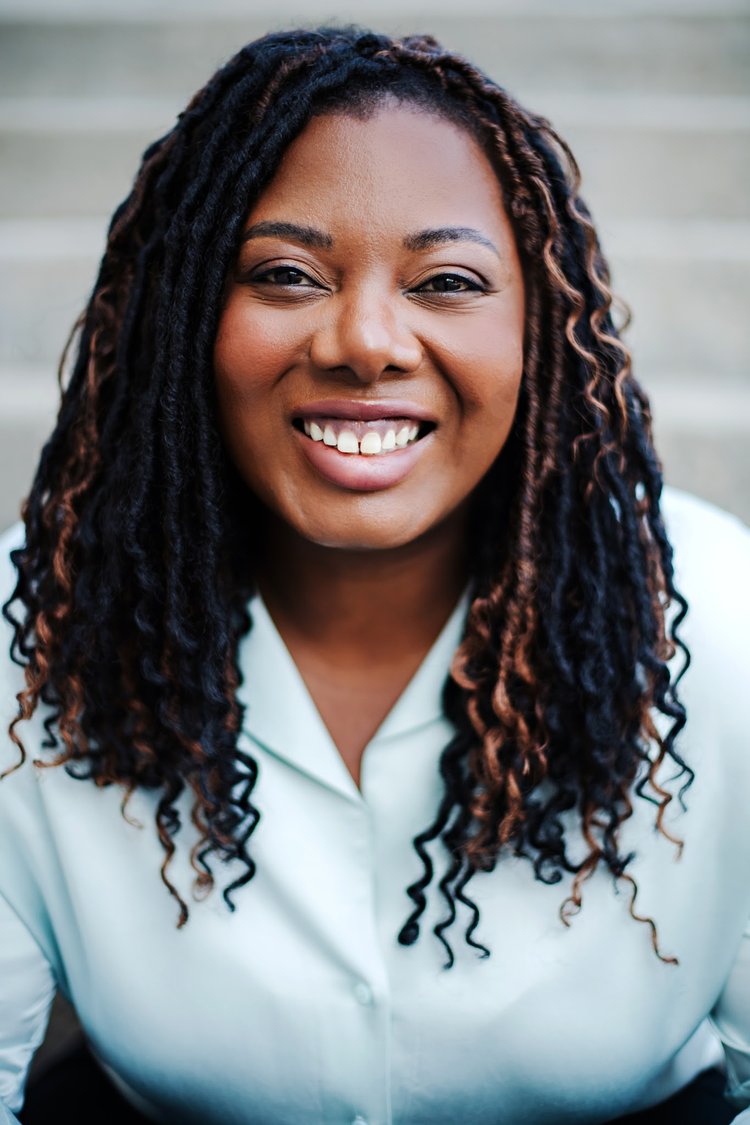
x=366 y=453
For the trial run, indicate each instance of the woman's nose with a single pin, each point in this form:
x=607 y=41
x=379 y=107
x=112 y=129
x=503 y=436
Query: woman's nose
x=367 y=338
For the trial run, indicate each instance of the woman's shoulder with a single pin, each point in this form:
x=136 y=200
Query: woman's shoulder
x=712 y=567
x=701 y=532
x=712 y=572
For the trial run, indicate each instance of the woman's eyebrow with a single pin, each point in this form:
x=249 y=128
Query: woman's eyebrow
x=437 y=236
x=307 y=236
x=318 y=240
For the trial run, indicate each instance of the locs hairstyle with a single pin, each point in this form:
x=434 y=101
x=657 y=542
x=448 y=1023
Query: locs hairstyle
x=133 y=582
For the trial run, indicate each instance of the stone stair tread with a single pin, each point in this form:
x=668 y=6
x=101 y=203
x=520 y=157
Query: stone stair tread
x=560 y=48
x=146 y=11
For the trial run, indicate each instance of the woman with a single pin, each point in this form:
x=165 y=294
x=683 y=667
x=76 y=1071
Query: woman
x=346 y=591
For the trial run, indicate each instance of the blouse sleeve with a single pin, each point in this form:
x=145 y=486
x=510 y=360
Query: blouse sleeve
x=731 y=1018
x=27 y=987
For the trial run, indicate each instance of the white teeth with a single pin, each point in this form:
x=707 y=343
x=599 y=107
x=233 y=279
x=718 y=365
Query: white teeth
x=361 y=437
x=371 y=442
x=347 y=442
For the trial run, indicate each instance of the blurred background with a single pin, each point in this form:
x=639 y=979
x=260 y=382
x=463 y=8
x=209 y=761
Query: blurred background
x=653 y=95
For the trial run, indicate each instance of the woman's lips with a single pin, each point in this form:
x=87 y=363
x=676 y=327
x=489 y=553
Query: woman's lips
x=363 y=445
x=358 y=471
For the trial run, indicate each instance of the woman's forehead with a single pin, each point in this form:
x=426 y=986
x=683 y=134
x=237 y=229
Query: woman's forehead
x=400 y=166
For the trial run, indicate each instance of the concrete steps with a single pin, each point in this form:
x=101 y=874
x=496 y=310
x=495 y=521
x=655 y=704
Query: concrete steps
x=654 y=98
x=560 y=47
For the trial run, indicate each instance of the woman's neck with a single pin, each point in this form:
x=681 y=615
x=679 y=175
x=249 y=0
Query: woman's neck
x=363 y=606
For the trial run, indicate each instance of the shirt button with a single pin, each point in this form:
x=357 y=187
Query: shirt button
x=363 y=995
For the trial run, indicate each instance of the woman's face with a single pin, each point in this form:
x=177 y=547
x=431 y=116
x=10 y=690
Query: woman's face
x=369 y=353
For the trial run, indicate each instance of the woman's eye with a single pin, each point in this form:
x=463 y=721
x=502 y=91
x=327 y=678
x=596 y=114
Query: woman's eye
x=449 y=283
x=285 y=276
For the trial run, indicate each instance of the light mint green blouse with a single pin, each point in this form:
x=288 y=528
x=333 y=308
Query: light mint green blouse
x=301 y=1008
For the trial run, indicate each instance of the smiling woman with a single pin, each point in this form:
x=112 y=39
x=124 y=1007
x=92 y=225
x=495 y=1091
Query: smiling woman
x=397 y=309
x=367 y=372
x=346 y=582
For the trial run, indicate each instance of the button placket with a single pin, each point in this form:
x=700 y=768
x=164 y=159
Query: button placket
x=368 y=991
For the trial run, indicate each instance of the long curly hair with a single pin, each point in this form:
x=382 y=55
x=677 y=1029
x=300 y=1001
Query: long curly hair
x=133 y=583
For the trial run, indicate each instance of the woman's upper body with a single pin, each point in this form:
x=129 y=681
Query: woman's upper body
x=302 y=1005
x=351 y=352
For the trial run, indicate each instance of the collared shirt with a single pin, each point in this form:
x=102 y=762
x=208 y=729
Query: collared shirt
x=301 y=1006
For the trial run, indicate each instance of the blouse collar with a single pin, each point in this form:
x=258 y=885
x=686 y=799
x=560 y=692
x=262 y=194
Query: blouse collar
x=282 y=718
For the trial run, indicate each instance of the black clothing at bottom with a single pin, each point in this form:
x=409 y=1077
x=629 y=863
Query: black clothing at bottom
x=700 y=1103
